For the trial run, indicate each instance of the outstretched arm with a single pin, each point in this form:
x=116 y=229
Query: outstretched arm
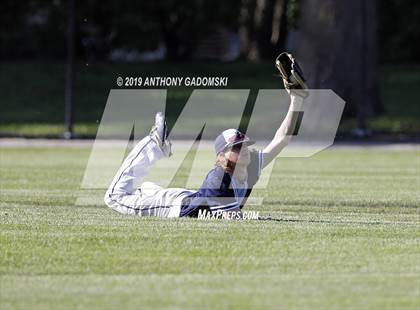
x=285 y=131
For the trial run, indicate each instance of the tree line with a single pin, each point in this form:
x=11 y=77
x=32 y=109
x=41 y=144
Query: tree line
x=36 y=28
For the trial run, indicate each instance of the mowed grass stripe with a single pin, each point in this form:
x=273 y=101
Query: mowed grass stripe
x=346 y=236
x=329 y=291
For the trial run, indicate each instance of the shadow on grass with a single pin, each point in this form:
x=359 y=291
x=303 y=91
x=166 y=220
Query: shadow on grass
x=344 y=203
x=272 y=219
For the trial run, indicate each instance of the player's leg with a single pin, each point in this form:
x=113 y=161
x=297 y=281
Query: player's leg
x=161 y=202
x=150 y=199
x=121 y=194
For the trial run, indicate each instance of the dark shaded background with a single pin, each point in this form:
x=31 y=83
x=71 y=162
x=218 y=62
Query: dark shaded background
x=366 y=51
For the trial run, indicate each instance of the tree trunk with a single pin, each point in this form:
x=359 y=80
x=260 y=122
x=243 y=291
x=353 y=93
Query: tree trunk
x=247 y=28
x=336 y=47
x=262 y=28
x=69 y=85
x=273 y=30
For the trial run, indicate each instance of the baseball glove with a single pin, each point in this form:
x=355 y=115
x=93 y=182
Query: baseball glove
x=292 y=74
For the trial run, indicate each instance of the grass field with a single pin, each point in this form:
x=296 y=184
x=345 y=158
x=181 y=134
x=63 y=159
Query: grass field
x=347 y=236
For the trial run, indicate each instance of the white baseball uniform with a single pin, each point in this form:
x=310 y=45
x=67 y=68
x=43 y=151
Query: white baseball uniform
x=124 y=196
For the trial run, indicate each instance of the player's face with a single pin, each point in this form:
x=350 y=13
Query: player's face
x=239 y=154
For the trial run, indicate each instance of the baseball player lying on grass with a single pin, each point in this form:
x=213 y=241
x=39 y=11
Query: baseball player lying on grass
x=226 y=187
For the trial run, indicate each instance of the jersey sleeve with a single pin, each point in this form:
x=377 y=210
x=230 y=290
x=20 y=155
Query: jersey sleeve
x=255 y=167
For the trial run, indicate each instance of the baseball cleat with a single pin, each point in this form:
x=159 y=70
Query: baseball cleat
x=292 y=74
x=159 y=133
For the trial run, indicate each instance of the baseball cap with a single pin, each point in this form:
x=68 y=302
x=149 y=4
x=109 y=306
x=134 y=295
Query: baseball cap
x=229 y=138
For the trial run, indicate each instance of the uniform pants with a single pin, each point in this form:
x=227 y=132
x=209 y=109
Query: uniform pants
x=124 y=195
